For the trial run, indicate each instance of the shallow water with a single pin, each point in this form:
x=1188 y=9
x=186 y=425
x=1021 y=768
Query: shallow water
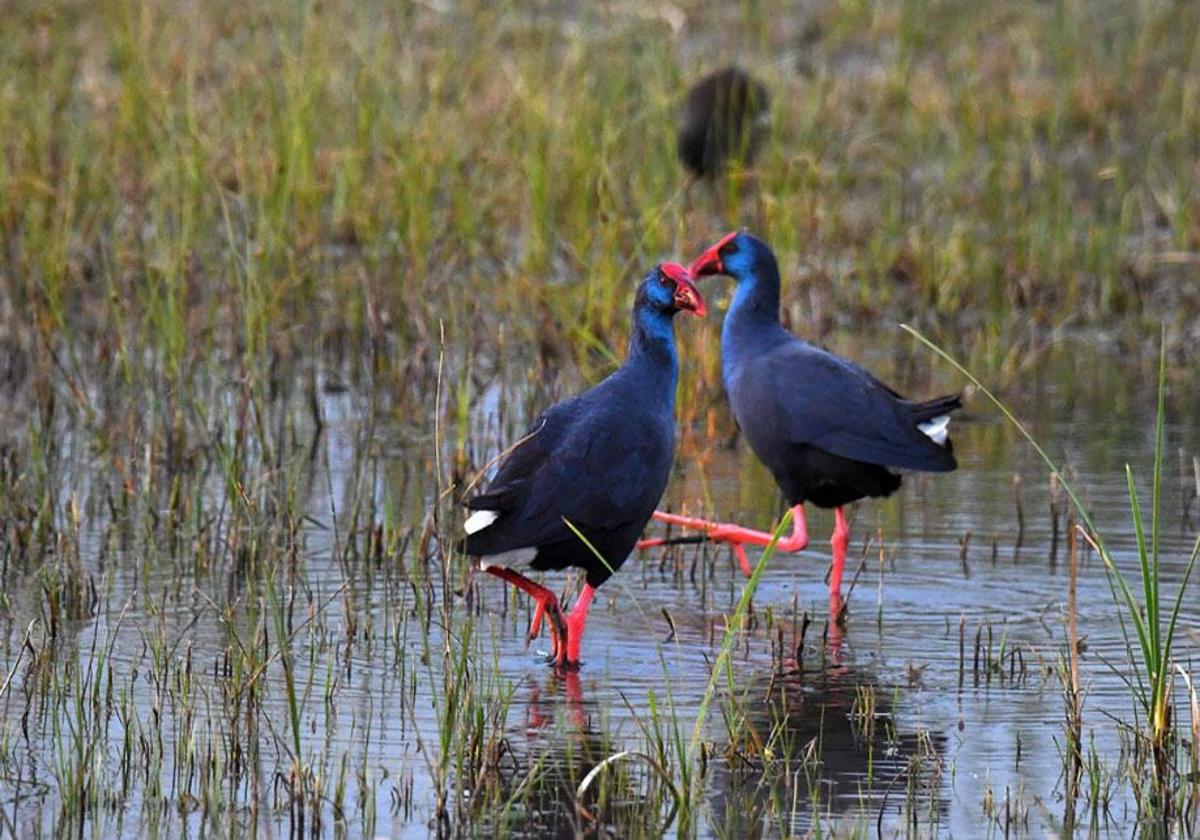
x=906 y=729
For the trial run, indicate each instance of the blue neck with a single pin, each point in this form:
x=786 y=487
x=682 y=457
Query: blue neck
x=652 y=344
x=756 y=300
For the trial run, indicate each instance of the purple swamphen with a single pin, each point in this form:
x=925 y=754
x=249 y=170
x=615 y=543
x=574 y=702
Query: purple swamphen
x=599 y=461
x=829 y=431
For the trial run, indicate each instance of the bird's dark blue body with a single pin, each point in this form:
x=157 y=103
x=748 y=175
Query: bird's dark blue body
x=826 y=428
x=597 y=464
x=600 y=460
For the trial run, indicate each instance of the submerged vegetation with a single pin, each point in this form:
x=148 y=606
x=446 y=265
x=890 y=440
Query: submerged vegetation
x=277 y=279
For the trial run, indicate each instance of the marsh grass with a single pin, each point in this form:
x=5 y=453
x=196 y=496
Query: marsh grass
x=1161 y=787
x=232 y=237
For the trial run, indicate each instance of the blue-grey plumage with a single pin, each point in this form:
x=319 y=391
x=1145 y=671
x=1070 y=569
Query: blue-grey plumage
x=829 y=431
x=599 y=460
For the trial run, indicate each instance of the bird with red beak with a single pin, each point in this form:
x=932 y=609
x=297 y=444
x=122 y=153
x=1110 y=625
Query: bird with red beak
x=580 y=485
x=829 y=432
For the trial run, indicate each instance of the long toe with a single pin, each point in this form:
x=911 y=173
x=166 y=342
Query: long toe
x=535 y=626
x=556 y=648
x=558 y=631
x=743 y=562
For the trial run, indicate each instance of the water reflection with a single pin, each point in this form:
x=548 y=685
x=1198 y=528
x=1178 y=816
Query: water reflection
x=815 y=749
x=551 y=776
x=374 y=614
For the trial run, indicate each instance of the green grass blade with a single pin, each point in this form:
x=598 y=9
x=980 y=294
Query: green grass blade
x=1187 y=576
x=1159 y=446
x=1150 y=619
x=1155 y=514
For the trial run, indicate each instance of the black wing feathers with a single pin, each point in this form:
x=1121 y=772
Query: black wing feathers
x=804 y=395
x=586 y=463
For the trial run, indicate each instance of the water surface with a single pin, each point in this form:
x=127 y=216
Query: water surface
x=878 y=727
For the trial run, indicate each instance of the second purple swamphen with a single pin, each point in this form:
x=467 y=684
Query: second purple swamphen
x=829 y=431
x=598 y=461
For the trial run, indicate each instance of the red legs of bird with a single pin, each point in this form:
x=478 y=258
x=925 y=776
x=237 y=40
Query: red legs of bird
x=736 y=535
x=576 y=619
x=566 y=632
x=547 y=607
x=839 y=541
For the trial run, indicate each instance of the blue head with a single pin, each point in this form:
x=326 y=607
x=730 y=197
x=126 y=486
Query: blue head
x=739 y=255
x=749 y=261
x=668 y=289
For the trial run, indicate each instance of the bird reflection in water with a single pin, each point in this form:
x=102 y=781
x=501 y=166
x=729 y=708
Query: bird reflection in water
x=562 y=745
x=811 y=751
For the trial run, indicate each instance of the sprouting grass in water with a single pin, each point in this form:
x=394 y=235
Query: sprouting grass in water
x=1152 y=615
x=689 y=752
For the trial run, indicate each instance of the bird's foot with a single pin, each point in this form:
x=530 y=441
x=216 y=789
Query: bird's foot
x=549 y=609
x=562 y=664
x=838 y=609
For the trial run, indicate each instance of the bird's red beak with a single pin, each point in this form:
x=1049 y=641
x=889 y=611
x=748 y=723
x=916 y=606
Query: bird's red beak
x=687 y=296
x=710 y=261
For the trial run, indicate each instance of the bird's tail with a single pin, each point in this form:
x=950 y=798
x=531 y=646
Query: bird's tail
x=936 y=407
x=933 y=421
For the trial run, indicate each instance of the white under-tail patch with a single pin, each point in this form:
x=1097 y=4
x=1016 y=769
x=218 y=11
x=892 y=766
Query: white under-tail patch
x=936 y=429
x=480 y=519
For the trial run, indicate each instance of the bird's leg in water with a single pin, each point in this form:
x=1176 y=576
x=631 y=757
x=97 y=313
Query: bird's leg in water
x=547 y=607
x=576 y=619
x=736 y=535
x=838 y=542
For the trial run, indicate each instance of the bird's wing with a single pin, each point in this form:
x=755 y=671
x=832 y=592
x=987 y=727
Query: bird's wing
x=598 y=470
x=527 y=458
x=601 y=478
x=802 y=394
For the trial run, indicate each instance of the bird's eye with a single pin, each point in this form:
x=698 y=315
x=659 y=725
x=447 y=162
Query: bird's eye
x=664 y=279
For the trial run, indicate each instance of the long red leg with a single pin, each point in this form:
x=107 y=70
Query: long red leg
x=576 y=619
x=535 y=625
x=839 y=541
x=547 y=606
x=736 y=535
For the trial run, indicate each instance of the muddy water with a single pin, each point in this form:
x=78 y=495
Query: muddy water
x=882 y=725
